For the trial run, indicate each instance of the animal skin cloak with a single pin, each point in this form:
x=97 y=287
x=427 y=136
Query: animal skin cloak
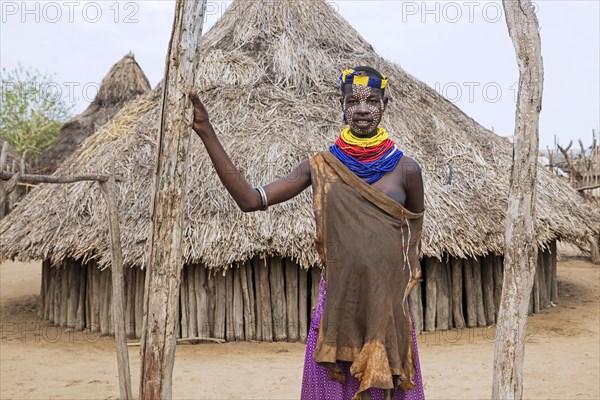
x=359 y=239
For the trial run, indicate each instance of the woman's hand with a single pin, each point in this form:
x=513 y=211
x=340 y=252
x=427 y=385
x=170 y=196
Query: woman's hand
x=201 y=124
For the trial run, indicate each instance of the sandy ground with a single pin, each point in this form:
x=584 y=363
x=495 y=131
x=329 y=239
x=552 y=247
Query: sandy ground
x=38 y=361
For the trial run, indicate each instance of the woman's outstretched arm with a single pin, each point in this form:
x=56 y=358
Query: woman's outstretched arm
x=245 y=196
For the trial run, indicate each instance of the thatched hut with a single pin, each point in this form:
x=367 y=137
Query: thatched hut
x=10 y=162
x=583 y=171
x=124 y=82
x=587 y=166
x=269 y=82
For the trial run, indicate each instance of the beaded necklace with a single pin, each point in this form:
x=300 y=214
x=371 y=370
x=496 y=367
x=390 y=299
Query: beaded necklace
x=369 y=158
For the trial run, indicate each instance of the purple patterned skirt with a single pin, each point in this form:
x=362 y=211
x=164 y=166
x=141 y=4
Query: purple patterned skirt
x=316 y=384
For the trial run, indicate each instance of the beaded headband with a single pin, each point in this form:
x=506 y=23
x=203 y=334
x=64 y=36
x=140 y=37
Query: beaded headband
x=352 y=77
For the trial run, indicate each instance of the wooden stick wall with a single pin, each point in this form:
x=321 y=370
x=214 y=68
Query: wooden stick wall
x=272 y=299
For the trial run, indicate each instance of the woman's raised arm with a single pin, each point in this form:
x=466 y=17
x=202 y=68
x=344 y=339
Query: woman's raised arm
x=245 y=196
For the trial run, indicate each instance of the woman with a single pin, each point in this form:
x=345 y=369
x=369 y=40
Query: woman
x=368 y=203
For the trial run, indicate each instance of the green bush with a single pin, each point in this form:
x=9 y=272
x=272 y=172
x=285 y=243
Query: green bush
x=32 y=110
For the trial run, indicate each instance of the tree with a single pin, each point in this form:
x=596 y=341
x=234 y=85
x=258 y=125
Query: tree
x=520 y=248
x=32 y=110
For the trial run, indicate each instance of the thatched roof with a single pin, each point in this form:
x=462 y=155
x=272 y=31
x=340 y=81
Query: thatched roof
x=269 y=82
x=124 y=82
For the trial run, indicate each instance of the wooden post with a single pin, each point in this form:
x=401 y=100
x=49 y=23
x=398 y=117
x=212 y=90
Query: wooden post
x=415 y=302
x=111 y=313
x=457 y=292
x=535 y=290
x=238 y=303
x=73 y=272
x=248 y=299
x=183 y=306
x=104 y=295
x=193 y=305
x=542 y=280
x=212 y=302
x=88 y=293
x=95 y=298
x=165 y=258
x=64 y=293
x=449 y=297
x=109 y=190
x=520 y=251
x=57 y=293
x=202 y=301
x=548 y=274
x=315 y=273
x=131 y=296
x=264 y=298
x=220 y=305
x=498 y=273
x=229 y=331
x=477 y=264
x=44 y=287
x=256 y=267
x=303 y=314
x=81 y=317
x=291 y=299
x=139 y=300
x=49 y=307
x=443 y=307
x=554 y=283
x=469 y=292
x=276 y=281
x=487 y=277
x=432 y=270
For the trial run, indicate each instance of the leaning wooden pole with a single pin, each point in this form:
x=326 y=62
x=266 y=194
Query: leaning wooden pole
x=109 y=190
x=165 y=262
x=520 y=248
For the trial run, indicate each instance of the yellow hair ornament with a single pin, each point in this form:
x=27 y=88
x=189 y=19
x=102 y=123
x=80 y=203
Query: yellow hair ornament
x=352 y=77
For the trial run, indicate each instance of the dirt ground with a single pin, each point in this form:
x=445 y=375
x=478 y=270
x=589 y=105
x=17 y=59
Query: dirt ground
x=38 y=361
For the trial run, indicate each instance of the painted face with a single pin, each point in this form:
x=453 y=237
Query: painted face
x=364 y=108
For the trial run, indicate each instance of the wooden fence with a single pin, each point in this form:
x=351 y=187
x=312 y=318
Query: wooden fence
x=271 y=299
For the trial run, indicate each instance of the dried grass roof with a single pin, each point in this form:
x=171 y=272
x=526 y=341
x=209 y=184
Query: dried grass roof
x=269 y=82
x=125 y=81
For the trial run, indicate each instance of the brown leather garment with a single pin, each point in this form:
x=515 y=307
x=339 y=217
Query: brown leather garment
x=359 y=239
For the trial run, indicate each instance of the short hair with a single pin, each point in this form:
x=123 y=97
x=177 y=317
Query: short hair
x=369 y=71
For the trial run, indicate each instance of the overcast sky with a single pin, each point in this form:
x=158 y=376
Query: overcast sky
x=460 y=48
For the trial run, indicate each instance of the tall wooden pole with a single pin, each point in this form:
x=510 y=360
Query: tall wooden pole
x=520 y=249
x=161 y=304
x=109 y=189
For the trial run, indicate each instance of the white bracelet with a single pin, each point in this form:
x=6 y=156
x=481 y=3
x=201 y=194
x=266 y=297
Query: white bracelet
x=263 y=197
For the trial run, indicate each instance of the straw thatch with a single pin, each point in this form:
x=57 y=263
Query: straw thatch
x=268 y=78
x=125 y=81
